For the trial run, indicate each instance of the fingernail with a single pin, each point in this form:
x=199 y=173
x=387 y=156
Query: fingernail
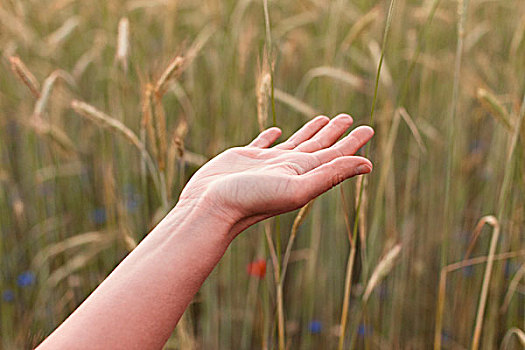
x=345 y=116
x=364 y=169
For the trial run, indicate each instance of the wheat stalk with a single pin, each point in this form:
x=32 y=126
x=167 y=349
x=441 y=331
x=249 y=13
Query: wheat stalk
x=351 y=257
x=358 y=27
x=361 y=182
x=47 y=88
x=491 y=103
x=346 y=296
x=160 y=127
x=443 y=284
x=93 y=114
x=361 y=199
x=382 y=269
x=262 y=93
x=56 y=135
x=89 y=56
x=175 y=151
x=517 y=38
x=413 y=129
x=147 y=120
x=295 y=104
x=301 y=216
x=51 y=172
x=103 y=119
x=341 y=75
x=173 y=70
x=58 y=36
x=508 y=336
x=490 y=220
x=73 y=264
x=75 y=241
x=194 y=158
x=513 y=285
x=123 y=43
x=486 y=279
x=202 y=38
x=24 y=74
x=452 y=125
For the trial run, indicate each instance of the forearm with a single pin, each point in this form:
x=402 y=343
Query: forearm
x=141 y=301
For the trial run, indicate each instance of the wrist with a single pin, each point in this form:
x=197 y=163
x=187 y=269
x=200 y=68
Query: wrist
x=203 y=214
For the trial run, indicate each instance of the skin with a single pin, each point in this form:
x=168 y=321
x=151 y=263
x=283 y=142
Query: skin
x=139 y=304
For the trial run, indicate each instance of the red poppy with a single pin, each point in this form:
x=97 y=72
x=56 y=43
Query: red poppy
x=257 y=268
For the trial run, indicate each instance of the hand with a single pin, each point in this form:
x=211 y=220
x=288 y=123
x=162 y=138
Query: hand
x=244 y=185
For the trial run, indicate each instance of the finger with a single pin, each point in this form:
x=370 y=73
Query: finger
x=348 y=146
x=266 y=138
x=328 y=135
x=323 y=178
x=305 y=133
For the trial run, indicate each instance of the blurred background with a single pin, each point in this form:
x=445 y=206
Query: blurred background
x=108 y=107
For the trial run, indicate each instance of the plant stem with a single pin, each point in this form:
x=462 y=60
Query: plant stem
x=351 y=258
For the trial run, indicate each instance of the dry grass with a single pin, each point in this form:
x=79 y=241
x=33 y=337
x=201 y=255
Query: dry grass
x=383 y=268
x=181 y=81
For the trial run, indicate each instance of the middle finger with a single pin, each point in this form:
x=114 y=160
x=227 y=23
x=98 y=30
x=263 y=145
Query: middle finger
x=328 y=134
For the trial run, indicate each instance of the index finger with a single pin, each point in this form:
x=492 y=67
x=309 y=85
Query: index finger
x=305 y=133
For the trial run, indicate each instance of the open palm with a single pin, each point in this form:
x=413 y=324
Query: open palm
x=245 y=185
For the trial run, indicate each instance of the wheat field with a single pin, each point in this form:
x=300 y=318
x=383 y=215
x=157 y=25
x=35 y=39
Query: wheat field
x=108 y=107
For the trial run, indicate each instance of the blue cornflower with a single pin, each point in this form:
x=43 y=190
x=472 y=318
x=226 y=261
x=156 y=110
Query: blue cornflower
x=25 y=279
x=8 y=295
x=446 y=337
x=477 y=146
x=98 y=215
x=46 y=189
x=510 y=269
x=132 y=204
x=364 y=330
x=315 y=327
x=133 y=198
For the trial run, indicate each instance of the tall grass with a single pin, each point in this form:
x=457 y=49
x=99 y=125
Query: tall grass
x=108 y=108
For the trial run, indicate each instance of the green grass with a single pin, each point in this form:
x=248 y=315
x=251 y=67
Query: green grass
x=76 y=196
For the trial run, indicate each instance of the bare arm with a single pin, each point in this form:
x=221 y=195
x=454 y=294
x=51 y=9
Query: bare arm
x=139 y=304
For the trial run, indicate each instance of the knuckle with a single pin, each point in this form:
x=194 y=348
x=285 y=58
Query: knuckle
x=287 y=145
x=316 y=158
x=337 y=178
x=291 y=144
x=355 y=143
x=232 y=150
x=339 y=152
x=318 y=144
x=312 y=161
x=293 y=167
